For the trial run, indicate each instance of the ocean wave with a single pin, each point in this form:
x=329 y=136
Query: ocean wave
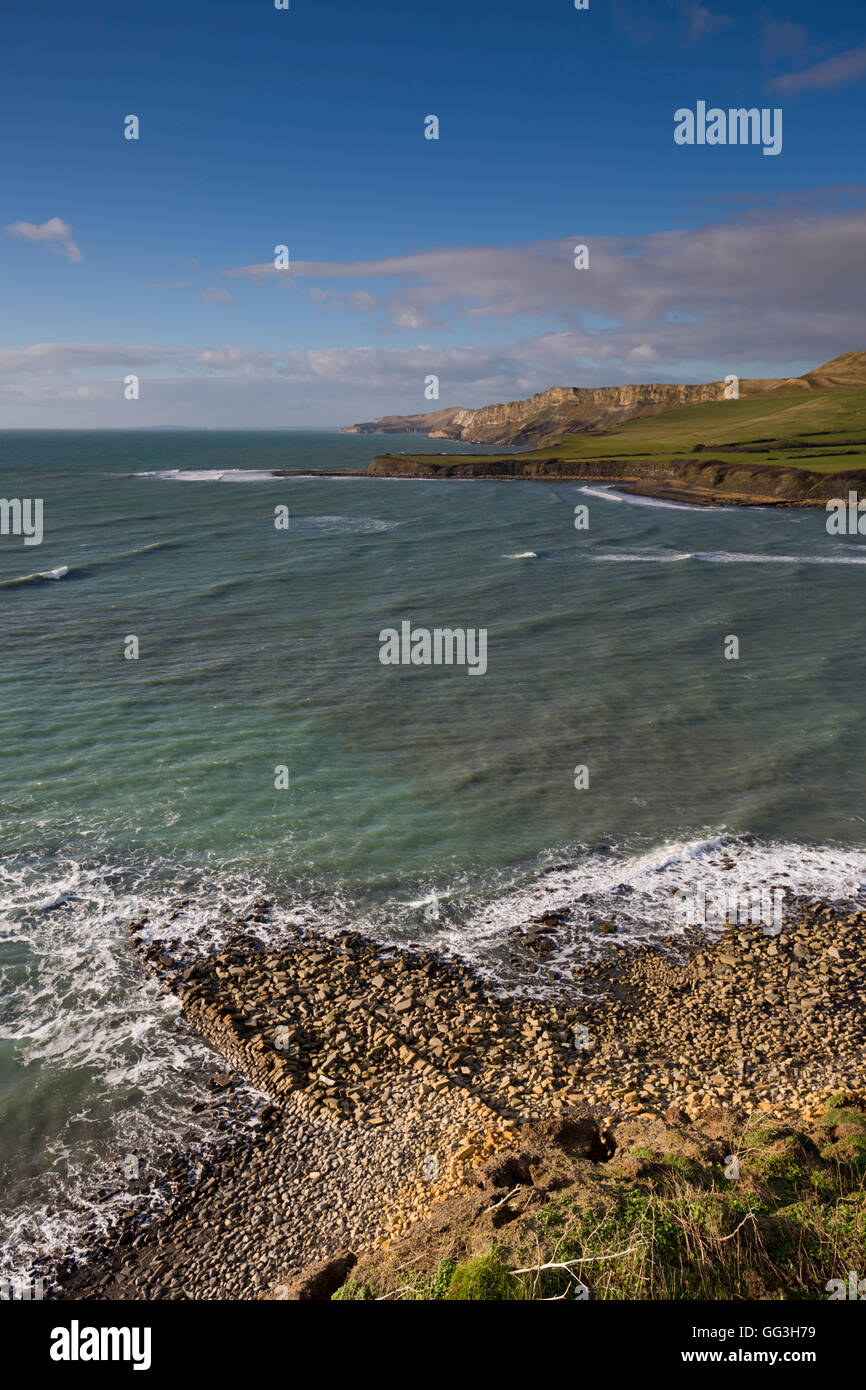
x=610 y=494
x=643 y=892
x=725 y=557
x=95 y=1045
x=59 y=573
x=131 y=554
x=669 y=557
x=98 y=562
x=210 y=475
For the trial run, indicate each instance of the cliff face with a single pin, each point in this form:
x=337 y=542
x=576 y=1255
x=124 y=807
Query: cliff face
x=410 y=424
x=573 y=409
x=705 y=480
x=596 y=409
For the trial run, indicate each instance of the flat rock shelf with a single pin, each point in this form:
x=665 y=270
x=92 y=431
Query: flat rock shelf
x=386 y=1079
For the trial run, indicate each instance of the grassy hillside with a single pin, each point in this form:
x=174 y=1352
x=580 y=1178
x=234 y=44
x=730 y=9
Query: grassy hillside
x=823 y=431
x=829 y=424
x=667 y=1217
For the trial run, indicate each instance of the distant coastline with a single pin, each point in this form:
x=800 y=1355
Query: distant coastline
x=793 y=442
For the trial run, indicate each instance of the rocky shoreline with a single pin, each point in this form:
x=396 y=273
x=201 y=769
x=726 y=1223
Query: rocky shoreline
x=700 y=481
x=386 y=1079
x=710 y=483
x=705 y=483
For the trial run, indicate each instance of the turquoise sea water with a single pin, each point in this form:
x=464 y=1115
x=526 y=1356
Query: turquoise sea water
x=422 y=802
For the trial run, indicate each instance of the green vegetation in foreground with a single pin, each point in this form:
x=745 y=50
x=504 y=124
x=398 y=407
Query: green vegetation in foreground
x=788 y=426
x=668 y=1226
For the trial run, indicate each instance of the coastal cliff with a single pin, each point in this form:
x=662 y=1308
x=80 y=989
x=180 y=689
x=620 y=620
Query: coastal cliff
x=547 y=415
x=562 y=409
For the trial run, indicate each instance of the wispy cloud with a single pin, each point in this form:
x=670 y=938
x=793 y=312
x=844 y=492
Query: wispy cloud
x=782 y=39
x=832 y=72
x=687 y=21
x=766 y=295
x=213 y=295
x=55 y=233
x=700 y=21
x=358 y=299
x=38 y=358
x=634 y=284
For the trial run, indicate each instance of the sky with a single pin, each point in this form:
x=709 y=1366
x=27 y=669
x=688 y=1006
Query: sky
x=410 y=257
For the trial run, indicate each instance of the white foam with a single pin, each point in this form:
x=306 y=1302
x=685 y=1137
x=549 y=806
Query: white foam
x=340 y=525
x=643 y=893
x=87 y=1024
x=210 y=475
x=640 y=557
x=725 y=557
x=610 y=494
x=59 y=573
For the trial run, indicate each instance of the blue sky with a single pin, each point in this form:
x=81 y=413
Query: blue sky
x=411 y=256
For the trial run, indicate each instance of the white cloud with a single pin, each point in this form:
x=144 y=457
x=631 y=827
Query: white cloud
x=55 y=358
x=832 y=72
x=55 y=232
x=775 y=284
x=232 y=359
x=770 y=294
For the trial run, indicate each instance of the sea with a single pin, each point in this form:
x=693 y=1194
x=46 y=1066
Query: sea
x=194 y=715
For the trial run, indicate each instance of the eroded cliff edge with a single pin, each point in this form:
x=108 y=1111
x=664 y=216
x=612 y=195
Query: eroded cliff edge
x=705 y=481
x=542 y=418
x=548 y=414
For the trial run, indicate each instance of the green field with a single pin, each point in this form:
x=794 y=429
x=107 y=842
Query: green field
x=820 y=430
